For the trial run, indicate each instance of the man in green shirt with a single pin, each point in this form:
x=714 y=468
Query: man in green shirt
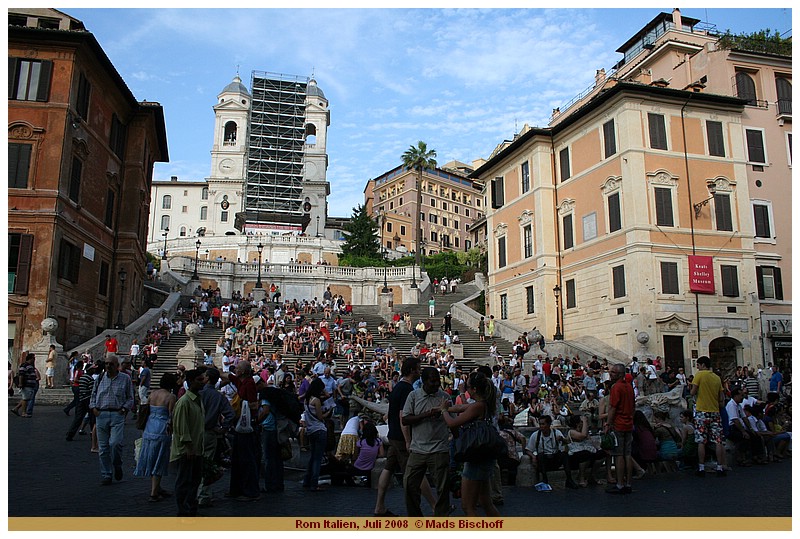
x=188 y=427
x=710 y=398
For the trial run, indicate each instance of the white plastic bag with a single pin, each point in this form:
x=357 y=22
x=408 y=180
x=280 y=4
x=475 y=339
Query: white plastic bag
x=243 y=426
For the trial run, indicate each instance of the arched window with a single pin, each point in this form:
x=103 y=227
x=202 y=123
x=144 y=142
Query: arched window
x=784 y=88
x=230 y=132
x=746 y=87
x=166 y=202
x=183 y=231
x=311 y=133
x=164 y=222
x=204 y=194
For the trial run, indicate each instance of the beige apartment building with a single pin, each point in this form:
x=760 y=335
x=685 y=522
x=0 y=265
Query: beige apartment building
x=609 y=202
x=451 y=202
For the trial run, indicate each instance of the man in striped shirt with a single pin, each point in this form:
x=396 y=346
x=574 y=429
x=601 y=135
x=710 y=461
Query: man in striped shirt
x=85 y=385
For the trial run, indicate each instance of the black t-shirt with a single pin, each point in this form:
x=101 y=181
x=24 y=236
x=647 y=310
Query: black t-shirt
x=397 y=400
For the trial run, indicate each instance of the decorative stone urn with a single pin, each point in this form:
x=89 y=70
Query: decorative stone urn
x=190 y=356
x=643 y=338
x=42 y=348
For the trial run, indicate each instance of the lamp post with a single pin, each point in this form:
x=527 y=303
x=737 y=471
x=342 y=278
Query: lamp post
x=260 y=248
x=318 y=226
x=557 y=293
x=122 y=276
x=413 y=270
x=197 y=244
x=164 y=254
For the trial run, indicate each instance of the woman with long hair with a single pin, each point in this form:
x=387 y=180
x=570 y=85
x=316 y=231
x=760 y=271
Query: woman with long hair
x=157 y=436
x=475 y=477
x=316 y=432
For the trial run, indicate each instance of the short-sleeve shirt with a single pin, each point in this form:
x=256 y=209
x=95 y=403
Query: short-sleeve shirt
x=622 y=401
x=708 y=387
x=367 y=454
x=545 y=444
x=431 y=435
x=397 y=400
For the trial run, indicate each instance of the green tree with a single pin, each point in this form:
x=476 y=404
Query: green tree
x=419 y=158
x=361 y=246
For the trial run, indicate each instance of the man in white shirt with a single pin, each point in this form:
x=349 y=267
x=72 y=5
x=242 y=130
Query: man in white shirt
x=545 y=449
x=740 y=433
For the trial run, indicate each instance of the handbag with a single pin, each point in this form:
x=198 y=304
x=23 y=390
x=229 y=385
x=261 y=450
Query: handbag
x=243 y=426
x=608 y=441
x=141 y=418
x=478 y=441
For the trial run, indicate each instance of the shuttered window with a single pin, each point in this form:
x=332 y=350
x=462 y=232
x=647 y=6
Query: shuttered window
x=618 y=274
x=755 y=146
x=569 y=288
x=669 y=278
x=614 y=214
x=658 y=131
x=609 y=138
x=29 y=80
x=76 y=172
x=730 y=281
x=20 y=251
x=761 y=217
x=529 y=304
x=569 y=242
x=563 y=158
x=716 y=144
x=664 y=215
x=497 y=193
x=501 y=252
x=19 y=165
x=722 y=210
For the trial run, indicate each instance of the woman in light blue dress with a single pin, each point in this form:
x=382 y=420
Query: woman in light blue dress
x=157 y=437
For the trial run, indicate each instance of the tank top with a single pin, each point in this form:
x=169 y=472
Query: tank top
x=313 y=423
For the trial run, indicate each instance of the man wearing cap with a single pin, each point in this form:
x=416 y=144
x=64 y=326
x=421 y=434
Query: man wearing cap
x=112 y=398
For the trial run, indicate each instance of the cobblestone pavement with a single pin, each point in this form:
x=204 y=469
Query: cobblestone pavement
x=48 y=476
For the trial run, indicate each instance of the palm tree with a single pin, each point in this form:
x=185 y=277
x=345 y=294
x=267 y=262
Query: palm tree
x=419 y=158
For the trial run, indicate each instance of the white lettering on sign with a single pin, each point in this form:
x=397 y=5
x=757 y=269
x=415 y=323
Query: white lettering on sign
x=780 y=325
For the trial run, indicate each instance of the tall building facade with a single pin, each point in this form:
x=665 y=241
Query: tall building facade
x=81 y=154
x=681 y=152
x=451 y=202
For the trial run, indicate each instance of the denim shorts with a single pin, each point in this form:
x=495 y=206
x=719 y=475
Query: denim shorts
x=27 y=393
x=478 y=471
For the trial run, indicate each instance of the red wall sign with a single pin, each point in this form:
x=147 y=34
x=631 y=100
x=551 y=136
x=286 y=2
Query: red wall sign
x=701 y=274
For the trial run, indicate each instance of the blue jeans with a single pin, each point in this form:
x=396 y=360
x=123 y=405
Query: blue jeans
x=110 y=431
x=32 y=401
x=317 y=442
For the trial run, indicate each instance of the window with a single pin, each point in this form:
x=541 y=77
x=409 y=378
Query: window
x=433 y=218
x=184 y=209
x=102 y=284
x=223 y=217
x=204 y=193
x=164 y=222
x=770 y=284
x=444 y=206
x=75 y=180
x=503 y=307
x=434 y=236
x=568 y=237
x=82 y=99
x=614 y=213
x=526 y=177
x=529 y=299
x=467 y=245
x=182 y=232
x=203 y=213
x=466 y=212
x=455 y=209
x=722 y=211
x=456 y=241
x=402 y=230
x=569 y=291
x=185 y=192
x=401 y=201
x=788 y=148
x=29 y=80
x=563 y=158
x=388 y=227
x=664 y=206
x=609 y=139
x=501 y=252
x=391 y=204
x=444 y=221
x=730 y=281
x=19 y=165
x=497 y=193
x=669 y=278
x=618 y=278
x=433 y=203
x=109 y=218
x=455 y=225
x=745 y=87
x=716 y=144
x=117 y=137
x=784 y=88
x=527 y=241
x=755 y=146
x=658 y=131
x=166 y=202
x=761 y=216
x=421 y=216
x=69 y=261
x=20 y=251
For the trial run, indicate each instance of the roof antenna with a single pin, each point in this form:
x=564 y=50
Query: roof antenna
x=515 y=126
x=237 y=70
x=312 y=72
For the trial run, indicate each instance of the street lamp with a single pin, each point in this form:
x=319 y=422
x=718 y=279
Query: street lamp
x=195 y=276
x=122 y=276
x=318 y=226
x=260 y=249
x=164 y=254
x=557 y=293
x=413 y=270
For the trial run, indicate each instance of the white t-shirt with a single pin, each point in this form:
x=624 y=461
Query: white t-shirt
x=351 y=427
x=548 y=445
x=734 y=411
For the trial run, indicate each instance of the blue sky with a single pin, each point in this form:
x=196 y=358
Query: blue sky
x=462 y=80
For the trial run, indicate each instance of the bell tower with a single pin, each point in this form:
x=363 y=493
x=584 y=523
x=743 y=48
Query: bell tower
x=315 y=185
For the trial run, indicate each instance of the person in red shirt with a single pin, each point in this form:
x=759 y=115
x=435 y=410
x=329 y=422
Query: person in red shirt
x=547 y=369
x=111 y=344
x=621 y=406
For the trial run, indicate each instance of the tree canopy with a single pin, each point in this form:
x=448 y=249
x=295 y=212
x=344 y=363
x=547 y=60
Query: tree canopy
x=419 y=158
x=361 y=246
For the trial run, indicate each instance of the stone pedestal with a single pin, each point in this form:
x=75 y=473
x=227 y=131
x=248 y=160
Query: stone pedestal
x=42 y=348
x=190 y=356
x=457 y=350
x=433 y=337
x=385 y=304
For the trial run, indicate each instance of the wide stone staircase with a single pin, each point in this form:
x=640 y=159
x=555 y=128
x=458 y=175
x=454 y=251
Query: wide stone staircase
x=168 y=350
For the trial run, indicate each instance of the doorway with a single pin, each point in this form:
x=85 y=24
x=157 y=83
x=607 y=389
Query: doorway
x=723 y=353
x=673 y=352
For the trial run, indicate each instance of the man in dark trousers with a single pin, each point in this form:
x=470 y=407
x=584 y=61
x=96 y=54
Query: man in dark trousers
x=188 y=426
x=219 y=418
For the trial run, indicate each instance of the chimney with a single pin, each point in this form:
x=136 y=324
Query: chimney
x=676 y=18
x=173 y=178
x=556 y=112
x=599 y=76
